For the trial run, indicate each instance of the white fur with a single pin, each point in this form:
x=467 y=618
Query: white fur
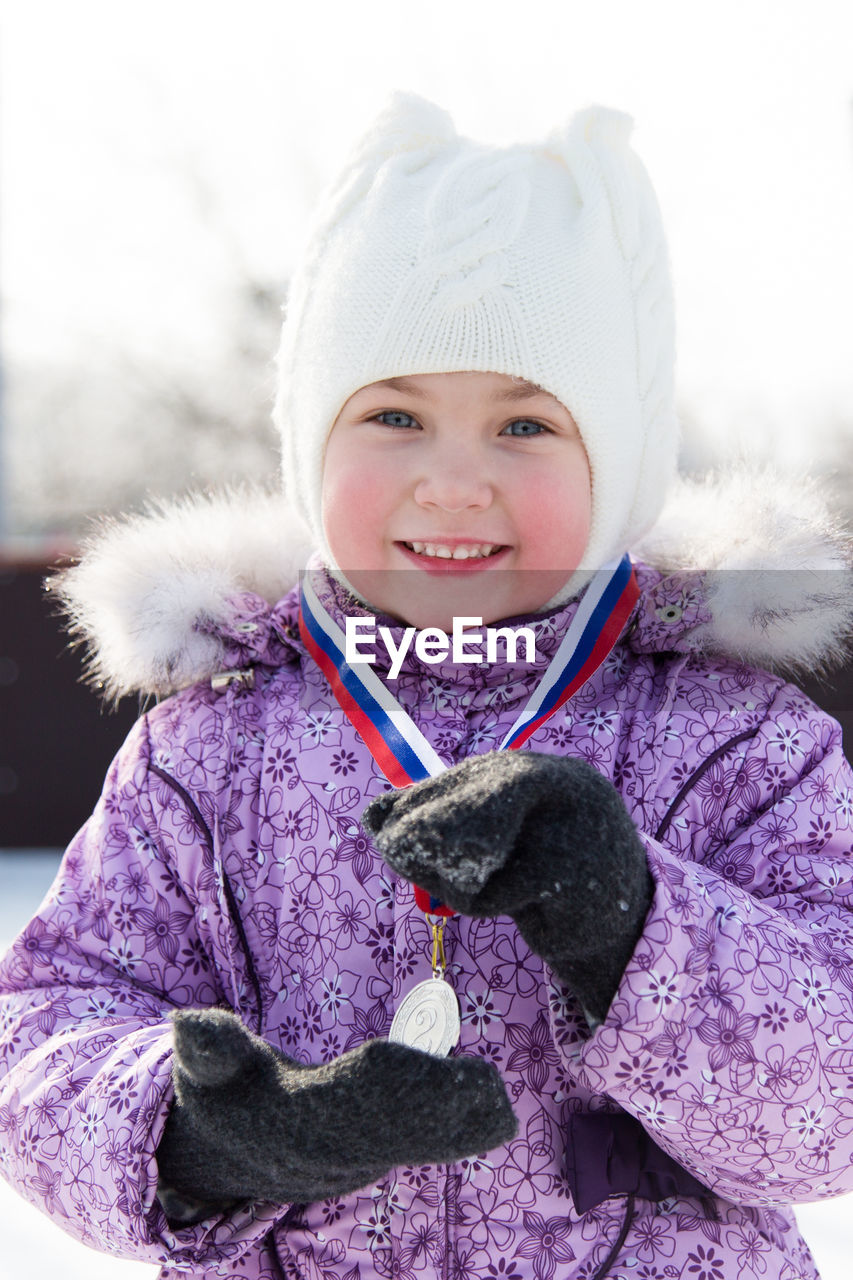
x=144 y=583
x=775 y=561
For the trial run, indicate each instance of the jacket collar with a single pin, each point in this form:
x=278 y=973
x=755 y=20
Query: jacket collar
x=515 y=677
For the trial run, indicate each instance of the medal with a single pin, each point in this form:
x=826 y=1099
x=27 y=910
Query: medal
x=428 y=1018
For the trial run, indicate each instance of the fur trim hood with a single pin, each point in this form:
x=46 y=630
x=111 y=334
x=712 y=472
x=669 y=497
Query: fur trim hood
x=748 y=564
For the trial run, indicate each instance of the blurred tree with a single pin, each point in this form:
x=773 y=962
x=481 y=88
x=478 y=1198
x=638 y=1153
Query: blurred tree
x=102 y=434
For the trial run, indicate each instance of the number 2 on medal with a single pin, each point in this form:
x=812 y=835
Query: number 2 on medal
x=424 y=1019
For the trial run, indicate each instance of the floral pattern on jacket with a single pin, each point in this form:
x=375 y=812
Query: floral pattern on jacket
x=225 y=864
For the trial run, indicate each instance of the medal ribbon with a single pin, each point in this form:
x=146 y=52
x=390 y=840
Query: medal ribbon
x=396 y=743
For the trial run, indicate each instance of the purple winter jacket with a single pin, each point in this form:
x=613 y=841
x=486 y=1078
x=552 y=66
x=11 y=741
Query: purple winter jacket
x=225 y=864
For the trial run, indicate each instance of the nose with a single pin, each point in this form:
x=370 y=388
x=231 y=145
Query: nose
x=455 y=480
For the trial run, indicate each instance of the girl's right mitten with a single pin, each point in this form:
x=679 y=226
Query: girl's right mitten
x=249 y=1123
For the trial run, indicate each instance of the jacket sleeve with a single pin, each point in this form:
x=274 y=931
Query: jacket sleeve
x=730 y=1035
x=85 y=1045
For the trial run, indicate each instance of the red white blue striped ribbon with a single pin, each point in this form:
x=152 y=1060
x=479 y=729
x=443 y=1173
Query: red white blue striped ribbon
x=400 y=749
x=396 y=743
x=603 y=610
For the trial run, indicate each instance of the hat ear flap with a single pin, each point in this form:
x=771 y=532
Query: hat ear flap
x=613 y=183
x=409 y=126
x=407 y=122
x=594 y=144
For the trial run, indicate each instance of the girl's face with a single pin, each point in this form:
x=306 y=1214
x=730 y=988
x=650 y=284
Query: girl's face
x=456 y=494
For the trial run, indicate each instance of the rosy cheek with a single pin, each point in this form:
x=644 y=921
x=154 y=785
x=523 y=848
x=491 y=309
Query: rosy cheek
x=352 y=511
x=555 y=517
x=344 y=486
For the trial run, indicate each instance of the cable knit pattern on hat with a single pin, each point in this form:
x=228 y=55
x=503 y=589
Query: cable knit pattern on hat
x=436 y=254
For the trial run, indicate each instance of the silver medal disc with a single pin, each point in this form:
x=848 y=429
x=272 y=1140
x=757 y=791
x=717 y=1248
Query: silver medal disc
x=428 y=1018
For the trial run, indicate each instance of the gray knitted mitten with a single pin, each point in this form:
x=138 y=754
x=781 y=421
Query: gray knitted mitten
x=249 y=1123
x=544 y=839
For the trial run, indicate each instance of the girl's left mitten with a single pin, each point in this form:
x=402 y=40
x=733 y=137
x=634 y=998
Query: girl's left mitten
x=250 y=1123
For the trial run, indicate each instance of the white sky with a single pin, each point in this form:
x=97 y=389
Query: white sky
x=742 y=110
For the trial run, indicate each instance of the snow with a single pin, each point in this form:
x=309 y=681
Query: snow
x=34 y=1247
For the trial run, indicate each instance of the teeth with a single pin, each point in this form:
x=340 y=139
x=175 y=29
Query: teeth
x=477 y=549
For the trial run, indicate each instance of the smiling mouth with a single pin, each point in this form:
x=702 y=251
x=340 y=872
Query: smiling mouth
x=441 y=551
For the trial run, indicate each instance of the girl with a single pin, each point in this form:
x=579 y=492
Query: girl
x=571 y=996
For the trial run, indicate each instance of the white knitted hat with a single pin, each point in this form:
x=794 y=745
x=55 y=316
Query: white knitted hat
x=435 y=254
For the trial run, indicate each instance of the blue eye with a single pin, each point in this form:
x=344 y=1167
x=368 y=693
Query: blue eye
x=527 y=427
x=395 y=418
